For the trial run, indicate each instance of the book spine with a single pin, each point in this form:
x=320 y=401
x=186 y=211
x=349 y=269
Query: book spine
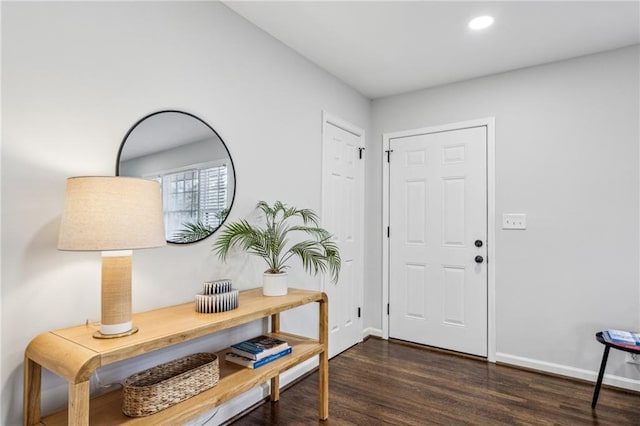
x=244 y=353
x=236 y=359
x=273 y=357
x=248 y=347
x=261 y=355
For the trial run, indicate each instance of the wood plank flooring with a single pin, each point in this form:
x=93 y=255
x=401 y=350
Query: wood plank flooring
x=387 y=383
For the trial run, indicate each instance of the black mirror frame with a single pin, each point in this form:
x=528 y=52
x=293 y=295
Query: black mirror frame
x=233 y=168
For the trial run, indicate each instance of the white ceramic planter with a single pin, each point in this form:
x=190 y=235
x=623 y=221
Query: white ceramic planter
x=274 y=284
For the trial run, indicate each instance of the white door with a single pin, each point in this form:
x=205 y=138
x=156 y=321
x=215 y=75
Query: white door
x=342 y=215
x=437 y=241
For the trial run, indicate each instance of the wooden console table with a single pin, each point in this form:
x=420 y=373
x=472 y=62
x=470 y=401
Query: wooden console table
x=74 y=355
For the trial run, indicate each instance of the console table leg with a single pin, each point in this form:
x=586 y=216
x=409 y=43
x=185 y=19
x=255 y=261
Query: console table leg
x=79 y=403
x=275 y=388
x=275 y=382
x=32 y=388
x=324 y=386
x=323 y=369
x=603 y=365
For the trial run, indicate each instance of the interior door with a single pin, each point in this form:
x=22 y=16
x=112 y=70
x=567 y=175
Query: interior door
x=343 y=199
x=437 y=241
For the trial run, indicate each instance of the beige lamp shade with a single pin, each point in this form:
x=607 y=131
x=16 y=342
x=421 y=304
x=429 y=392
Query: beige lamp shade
x=111 y=213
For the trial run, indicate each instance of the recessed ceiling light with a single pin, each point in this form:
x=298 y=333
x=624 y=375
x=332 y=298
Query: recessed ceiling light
x=481 y=22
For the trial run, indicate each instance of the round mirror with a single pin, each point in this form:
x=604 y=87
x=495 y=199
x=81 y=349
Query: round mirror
x=193 y=166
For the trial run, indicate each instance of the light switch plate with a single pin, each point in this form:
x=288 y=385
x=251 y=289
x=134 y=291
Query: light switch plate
x=514 y=221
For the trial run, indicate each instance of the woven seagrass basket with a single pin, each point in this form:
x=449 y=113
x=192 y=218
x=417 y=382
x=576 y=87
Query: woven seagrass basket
x=164 y=385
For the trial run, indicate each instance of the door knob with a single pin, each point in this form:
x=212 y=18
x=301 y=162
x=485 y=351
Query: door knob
x=478 y=243
x=479 y=259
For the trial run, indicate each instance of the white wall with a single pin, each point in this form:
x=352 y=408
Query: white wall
x=567 y=156
x=75 y=77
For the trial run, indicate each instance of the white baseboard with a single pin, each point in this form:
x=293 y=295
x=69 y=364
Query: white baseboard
x=370 y=331
x=564 y=370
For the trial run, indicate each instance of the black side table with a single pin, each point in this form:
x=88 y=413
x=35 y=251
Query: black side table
x=604 y=339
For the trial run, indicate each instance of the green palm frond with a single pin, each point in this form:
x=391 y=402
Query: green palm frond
x=315 y=231
x=221 y=215
x=192 y=231
x=318 y=254
x=308 y=216
x=243 y=235
x=311 y=257
x=332 y=254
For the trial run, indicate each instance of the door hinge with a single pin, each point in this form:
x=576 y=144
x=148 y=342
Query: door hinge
x=360 y=152
x=388 y=232
x=359 y=312
x=389 y=151
x=388 y=309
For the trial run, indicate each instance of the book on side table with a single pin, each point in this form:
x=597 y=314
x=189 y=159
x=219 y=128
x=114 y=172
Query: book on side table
x=626 y=338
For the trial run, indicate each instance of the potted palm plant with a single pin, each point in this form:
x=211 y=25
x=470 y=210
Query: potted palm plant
x=270 y=241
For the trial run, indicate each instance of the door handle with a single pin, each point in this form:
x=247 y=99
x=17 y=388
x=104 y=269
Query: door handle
x=478 y=243
x=479 y=259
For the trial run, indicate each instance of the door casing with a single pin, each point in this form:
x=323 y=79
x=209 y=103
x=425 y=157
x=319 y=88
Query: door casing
x=489 y=122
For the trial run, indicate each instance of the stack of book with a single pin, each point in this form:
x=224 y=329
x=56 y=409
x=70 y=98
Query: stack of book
x=258 y=351
x=622 y=337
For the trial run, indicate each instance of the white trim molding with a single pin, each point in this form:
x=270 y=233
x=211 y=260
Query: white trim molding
x=489 y=123
x=371 y=331
x=327 y=117
x=565 y=370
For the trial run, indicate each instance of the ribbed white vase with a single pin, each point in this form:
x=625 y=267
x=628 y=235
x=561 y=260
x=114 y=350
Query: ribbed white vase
x=274 y=284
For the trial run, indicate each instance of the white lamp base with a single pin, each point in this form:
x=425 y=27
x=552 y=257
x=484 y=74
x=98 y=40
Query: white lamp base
x=100 y=335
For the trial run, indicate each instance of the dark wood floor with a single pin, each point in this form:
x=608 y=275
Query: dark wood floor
x=379 y=382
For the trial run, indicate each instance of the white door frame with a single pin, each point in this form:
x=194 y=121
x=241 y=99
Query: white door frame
x=489 y=122
x=328 y=118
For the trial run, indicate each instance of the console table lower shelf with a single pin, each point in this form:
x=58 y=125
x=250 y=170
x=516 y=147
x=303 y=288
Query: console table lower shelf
x=234 y=380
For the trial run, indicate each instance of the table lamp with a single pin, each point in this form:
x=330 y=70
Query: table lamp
x=115 y=215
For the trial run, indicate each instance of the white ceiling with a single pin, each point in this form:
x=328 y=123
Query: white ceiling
x=382 y=48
